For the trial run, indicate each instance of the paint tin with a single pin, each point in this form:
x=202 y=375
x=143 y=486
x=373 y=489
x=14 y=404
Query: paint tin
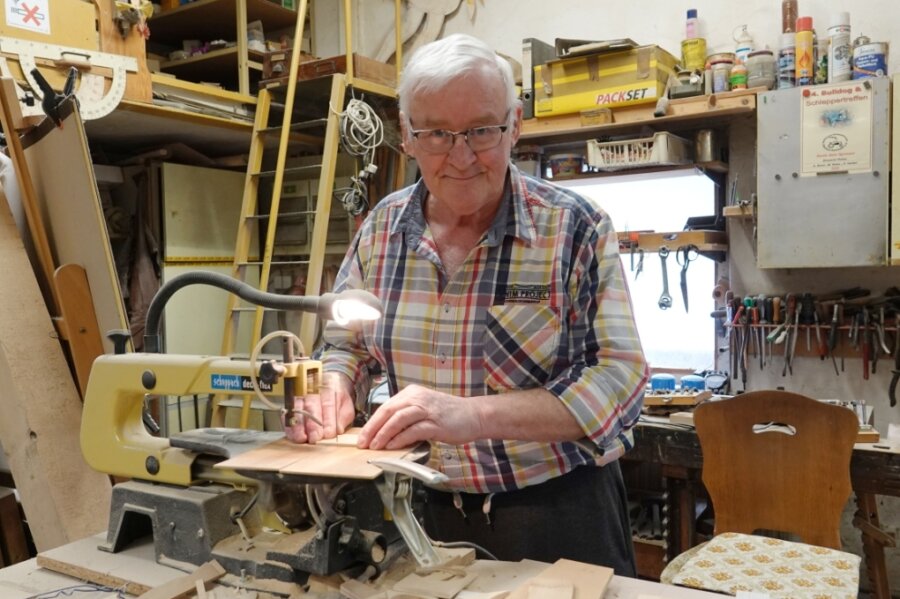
x=869 y=58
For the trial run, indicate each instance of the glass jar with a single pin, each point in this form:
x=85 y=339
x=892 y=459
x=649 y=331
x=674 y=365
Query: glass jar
x=761 y=69
x=721 y=70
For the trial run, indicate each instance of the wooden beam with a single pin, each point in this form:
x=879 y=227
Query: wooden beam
x=40 y=410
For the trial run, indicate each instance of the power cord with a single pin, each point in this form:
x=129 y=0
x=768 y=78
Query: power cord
x=361 y=133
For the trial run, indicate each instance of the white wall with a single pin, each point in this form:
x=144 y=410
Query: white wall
x=504 y=23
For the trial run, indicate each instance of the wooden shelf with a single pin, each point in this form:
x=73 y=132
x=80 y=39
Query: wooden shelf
x=738 y=211
x=706 y=241
x=683 y=113
x=209 y=19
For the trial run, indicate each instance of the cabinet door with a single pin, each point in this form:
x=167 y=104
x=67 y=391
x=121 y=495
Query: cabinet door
x=823 y=175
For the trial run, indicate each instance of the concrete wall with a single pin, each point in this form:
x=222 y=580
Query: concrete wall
x=505 y=22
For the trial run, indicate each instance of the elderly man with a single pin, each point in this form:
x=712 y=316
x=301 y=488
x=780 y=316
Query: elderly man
x=508 y=340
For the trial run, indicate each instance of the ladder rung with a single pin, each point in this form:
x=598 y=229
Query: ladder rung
x=282 y=215
x=299 y=126
x=277 y=263
x=294 y=170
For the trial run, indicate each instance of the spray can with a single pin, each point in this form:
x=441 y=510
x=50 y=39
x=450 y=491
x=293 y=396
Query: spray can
x=804 y=49
x=839 y=48
x=691 y=25
x=787 y=70
x=743 y=45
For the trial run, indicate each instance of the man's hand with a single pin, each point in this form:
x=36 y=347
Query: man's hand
x=420 y=414
x=333 y=405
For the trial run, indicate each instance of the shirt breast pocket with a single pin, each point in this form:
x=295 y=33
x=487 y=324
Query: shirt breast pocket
x=520 y=346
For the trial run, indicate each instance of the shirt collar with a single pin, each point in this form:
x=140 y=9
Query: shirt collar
x=513 y=218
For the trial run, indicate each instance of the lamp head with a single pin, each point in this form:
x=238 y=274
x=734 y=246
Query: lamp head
x=350 y=305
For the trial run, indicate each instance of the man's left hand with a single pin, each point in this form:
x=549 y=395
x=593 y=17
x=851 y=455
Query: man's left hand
x=416 y=414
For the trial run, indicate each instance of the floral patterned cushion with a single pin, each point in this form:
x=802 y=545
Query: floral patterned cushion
x=733 y=562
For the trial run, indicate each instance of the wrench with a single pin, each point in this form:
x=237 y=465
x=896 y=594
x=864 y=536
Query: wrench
x=665 y=300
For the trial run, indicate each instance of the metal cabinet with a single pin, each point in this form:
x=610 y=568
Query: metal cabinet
x=823 y=175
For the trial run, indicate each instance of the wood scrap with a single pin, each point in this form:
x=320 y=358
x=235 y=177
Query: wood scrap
x=443 y=583
x=589 y=581
x=181 y=587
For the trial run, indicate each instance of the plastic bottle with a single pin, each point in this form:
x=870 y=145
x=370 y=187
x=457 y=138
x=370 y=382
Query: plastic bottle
x=804 y=49
x=787 y=68
x=743 y=45
x=691 y=26
x=788 y=16
x=738 y=76
x=839 y=49
x=821 y=71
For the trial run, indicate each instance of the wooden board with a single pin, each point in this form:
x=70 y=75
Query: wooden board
x=589 y=581
x=40 y=410
x=335 y=459
x=78 y=320
x=676 y=399
x=69 y=203
x=134 y=570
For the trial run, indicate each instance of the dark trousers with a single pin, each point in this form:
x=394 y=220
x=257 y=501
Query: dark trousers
x=581 y=516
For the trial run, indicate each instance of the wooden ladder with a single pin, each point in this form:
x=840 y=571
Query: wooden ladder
x=322 y=100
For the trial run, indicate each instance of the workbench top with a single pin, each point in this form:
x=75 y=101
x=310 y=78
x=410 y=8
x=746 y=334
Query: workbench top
x=26 y=579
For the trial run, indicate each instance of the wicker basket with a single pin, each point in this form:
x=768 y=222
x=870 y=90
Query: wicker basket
x=660 y=150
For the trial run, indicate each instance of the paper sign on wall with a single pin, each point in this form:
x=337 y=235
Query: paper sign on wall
x=836 y=128
x=33 y=15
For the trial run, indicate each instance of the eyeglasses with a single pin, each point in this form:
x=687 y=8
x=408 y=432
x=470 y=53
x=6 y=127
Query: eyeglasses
x=440 y=141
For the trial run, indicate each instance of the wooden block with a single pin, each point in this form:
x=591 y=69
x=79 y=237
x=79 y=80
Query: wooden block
x=589 y=581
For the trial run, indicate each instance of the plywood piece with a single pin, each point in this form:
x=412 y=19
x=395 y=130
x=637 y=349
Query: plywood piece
x=69 y=24
x=589 y=581
x=443 y=583
x=182 y=586
x=40 y=410
x=201 y=213
x=69 y=205
x=550 y=589
x=320 y=460
x=133 y=570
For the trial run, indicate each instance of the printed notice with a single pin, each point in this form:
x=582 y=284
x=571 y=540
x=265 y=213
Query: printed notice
x=836 y=128
x=33 y=15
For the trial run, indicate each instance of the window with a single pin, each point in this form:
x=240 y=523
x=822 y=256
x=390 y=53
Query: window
x=663 y=202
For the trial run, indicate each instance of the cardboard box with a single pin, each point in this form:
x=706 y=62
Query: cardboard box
x=610 y=79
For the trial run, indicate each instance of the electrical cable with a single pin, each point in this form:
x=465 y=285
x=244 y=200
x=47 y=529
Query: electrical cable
x=362 y=132
x=79 y=588
x=474 y=546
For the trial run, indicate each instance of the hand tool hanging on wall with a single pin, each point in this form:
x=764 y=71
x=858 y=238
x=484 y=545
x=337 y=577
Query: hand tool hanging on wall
x=684 y=256
x=665 y=300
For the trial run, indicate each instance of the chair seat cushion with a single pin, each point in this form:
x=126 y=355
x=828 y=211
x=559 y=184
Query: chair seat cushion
x=733 y=562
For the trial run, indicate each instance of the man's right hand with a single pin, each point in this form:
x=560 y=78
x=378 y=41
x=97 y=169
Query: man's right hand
x=333 y=405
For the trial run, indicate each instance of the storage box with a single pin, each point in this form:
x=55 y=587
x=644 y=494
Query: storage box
x=621 y=78
x=661 y=149
x=363 y=68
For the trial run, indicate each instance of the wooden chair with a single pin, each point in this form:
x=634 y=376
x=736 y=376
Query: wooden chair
x=775 y=461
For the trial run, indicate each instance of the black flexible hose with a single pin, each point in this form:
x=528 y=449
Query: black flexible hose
x=239 y=288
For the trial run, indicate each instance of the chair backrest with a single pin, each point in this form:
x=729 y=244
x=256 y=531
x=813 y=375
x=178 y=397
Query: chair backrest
x=774 y=480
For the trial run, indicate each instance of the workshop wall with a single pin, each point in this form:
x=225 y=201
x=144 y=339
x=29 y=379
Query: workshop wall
x=504 y=23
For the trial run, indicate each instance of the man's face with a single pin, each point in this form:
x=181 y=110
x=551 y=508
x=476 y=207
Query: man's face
x=461 y=180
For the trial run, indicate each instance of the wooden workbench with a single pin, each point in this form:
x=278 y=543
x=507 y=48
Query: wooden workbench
x=26 y=579
x=874 y=470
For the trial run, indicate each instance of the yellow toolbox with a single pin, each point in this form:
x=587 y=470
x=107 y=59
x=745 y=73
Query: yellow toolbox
x=621 y=78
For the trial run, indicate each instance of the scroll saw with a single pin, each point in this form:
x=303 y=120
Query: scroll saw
x=271 y=523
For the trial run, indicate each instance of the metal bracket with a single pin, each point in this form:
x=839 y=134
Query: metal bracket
x=395 y=488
